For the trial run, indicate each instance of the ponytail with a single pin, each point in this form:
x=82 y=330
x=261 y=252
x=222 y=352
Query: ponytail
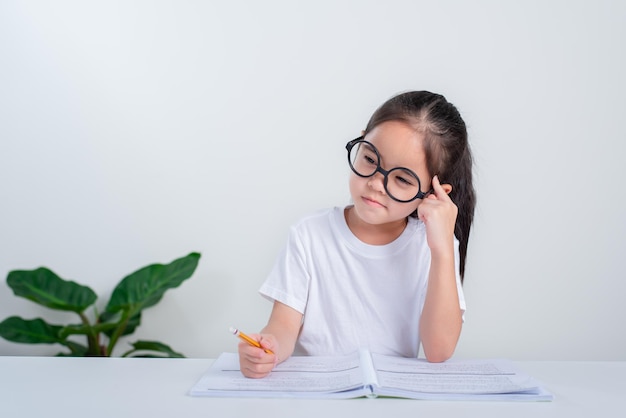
x=463 y=195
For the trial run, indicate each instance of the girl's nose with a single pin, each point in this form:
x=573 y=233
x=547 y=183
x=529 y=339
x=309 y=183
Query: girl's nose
x=376 y=182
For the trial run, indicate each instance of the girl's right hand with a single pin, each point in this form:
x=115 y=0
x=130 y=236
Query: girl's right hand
x=255 y=362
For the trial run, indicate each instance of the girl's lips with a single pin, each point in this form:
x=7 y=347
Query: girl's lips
x=372 y=202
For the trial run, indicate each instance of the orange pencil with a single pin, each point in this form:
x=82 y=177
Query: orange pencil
x=249 y=340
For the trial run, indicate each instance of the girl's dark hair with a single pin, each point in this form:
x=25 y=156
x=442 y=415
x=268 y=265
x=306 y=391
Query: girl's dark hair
x=447 y=150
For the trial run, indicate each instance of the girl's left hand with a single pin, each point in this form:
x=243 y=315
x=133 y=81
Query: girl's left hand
x=438 y=212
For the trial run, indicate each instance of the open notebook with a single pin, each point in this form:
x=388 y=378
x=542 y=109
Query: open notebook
x=371 y=375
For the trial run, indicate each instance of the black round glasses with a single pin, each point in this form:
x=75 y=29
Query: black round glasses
x=401 y=184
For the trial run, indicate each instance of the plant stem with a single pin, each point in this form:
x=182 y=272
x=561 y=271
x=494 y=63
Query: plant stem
x=92 y=338
x=118 y=332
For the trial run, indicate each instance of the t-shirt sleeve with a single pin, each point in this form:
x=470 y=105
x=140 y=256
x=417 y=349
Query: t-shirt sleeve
x=288 y=281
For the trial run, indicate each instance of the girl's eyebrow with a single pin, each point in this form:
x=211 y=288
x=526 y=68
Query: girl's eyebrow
x=370 y=147
x=381 y=160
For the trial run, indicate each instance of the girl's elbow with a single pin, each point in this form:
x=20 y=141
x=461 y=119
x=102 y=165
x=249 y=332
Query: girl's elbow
x=438 y=357
x=438 y=354
x=439 y=347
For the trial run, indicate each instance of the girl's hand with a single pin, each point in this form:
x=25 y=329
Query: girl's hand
x=255 y=362
x=438 y=212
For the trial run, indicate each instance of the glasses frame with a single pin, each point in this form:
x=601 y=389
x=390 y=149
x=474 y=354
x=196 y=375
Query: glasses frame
x=420 y=194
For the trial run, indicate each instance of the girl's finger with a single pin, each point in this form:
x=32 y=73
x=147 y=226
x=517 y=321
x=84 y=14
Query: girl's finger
x=439 y=191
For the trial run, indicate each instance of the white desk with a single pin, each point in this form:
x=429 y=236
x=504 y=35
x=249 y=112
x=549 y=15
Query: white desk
x=114 y=387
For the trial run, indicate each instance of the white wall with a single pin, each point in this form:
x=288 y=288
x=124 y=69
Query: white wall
x=134 y=132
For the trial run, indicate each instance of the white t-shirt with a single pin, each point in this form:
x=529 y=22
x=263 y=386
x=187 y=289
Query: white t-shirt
x=353 y=295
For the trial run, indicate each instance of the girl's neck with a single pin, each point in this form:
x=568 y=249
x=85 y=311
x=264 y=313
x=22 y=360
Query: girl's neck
x=373 y=234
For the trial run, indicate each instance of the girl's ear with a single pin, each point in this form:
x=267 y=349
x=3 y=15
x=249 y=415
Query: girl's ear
x=363 y=132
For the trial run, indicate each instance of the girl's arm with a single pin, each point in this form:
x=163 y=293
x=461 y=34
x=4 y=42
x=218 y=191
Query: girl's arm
x=441 y=320
x=279 y=336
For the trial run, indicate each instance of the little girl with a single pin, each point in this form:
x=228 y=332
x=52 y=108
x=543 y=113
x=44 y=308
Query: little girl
x=385 y=272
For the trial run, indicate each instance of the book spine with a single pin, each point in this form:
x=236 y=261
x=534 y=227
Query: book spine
x=372 y=394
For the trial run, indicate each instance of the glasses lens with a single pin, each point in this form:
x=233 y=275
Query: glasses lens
x=363 y=159
x=402 y=184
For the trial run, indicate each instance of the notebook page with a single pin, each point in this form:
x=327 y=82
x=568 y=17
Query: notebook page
x=458 y=377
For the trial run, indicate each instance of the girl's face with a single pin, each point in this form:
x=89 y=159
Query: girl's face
x=399 y=146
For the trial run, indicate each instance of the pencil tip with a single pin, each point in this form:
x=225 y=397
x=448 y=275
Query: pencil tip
x=233 y=330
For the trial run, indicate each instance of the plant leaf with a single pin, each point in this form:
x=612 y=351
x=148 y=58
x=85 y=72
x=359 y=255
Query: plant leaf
x=156 y=346
x=82 y=329
x=76 y=350
x=146 y=286
x=44 y=287
x=108 y=327
x=34 y=331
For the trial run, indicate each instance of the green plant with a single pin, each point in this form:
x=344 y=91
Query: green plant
x=122 y=315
